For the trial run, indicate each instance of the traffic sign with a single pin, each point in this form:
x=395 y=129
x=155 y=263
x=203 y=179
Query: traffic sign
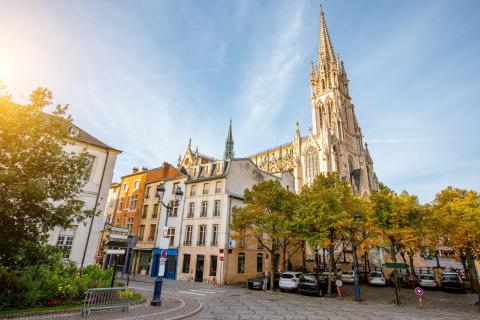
x=339 y=283
x=98 y=256
x=163 y=253
x=419 y=291
x=222 y=258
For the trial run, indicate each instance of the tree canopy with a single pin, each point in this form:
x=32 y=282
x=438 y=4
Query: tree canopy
x=39 y=179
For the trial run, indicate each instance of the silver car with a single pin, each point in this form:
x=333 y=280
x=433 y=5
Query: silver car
x=347 y=277
x=289 y=281
x=427 y=281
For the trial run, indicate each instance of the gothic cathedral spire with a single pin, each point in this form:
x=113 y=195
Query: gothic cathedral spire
x=229 y=153
x=326 y=54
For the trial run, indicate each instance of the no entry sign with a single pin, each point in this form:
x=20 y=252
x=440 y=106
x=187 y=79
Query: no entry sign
x=222 y=258
x=419 y=291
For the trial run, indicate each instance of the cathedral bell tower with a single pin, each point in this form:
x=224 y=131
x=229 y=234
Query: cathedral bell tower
x=327 y=79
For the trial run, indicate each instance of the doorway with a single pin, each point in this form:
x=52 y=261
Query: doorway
x=199 y=268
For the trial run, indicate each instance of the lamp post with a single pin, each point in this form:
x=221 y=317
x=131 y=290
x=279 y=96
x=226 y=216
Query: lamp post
x=157 y=291
x=358 y=217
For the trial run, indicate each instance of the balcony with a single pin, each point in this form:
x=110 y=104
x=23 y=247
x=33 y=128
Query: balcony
x=214 y=243
x=187 y=243
x=201 y=243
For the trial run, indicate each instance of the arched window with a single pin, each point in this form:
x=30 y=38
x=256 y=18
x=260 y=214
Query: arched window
x=312 y=164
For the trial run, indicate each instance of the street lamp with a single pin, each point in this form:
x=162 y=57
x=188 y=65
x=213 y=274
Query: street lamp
x=358 y=217
x=157 y=291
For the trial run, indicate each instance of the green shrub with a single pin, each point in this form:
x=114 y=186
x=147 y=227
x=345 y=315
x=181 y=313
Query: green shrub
x=53 y=283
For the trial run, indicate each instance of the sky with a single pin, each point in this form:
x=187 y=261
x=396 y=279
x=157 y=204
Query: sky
x=145 y=76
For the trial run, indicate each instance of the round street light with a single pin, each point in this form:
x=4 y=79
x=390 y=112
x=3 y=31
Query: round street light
x=160 y=190
x=178 y=193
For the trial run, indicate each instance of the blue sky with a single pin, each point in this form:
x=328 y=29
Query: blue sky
x=144 y=76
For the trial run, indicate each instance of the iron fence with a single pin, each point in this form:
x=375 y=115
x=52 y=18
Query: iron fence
x=107 y=298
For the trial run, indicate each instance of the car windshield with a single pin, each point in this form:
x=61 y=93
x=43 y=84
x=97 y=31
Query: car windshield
x=287 y=276
x=309 y=278
x=450 y=276
x=376 y=275
x=425 y=277
x=350 y=273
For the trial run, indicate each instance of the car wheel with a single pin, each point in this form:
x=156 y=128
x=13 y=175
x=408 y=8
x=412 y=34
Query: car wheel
x=282 y=290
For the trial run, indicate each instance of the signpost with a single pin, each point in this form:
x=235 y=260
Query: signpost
x=419 y=293
x=395 y=266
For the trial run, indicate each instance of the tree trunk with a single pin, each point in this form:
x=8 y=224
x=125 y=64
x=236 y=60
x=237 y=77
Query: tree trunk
x=324 y=260
x=284 y=254
x=410 y=257
x=473 y=275
x=303 y=257
x=331 y=266
x=394 y=258
x=272 y=268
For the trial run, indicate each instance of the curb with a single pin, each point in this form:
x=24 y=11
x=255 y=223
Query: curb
x=71 y=311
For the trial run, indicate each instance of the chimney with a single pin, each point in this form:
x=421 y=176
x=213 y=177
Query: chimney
x=135 y=169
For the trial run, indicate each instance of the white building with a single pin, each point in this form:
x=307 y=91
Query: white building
x=81 y=240
x=212 y=189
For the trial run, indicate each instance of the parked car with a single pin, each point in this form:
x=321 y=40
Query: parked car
x=257 y=282
x=376 y=278
x=404 y=280
x=313 y=284
x=347 y=277
x=289 y=281
x=451 y=281
x=427 y=280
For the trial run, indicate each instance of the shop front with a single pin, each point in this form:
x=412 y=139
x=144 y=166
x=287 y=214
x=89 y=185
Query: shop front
x=170 y=264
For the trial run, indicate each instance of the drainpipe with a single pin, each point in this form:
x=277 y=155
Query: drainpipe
x=227 y=240
x=95 y=206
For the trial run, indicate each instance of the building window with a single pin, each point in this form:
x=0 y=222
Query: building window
x=65 y=241
x=259 y=262
x=155 y=211
x=129 y=224
x=206 y=188
x=133 y=203
x=218 y=187
x=147 y=192
x=312 y=166
x=191 y=209
x=171 y=236
x=216 y=208
x=201 y=235
x=193 y=191
x=203 y=213
x=141 y=231
x=215 y=235
x=186 y=263
x=136 y=184
x=188 y=235
x=241 y=263
x=120 y=205
x=175 y=187
x=213 y=266
x=112 y=202
x=153 y=230
x=125 y=186
x=172 y=211
x=145 y=211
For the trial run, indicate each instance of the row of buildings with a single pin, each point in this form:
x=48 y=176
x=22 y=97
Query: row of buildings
x=200 y=246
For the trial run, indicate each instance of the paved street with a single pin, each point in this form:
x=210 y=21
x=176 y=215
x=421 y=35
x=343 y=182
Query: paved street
x=235 y=302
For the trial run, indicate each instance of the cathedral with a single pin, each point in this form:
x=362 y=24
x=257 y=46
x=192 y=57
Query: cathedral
x=334 y=142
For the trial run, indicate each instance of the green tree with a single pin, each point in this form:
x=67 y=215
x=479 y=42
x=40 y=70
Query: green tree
x=325 y=212
x=398 y=220
x=457 y=215
x=266 y=217
x=39 y=180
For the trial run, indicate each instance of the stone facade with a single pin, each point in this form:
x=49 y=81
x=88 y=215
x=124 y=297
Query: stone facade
x=334 y=143
x=81 y=240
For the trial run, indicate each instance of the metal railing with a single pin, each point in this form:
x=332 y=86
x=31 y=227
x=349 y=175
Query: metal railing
x=107 y=298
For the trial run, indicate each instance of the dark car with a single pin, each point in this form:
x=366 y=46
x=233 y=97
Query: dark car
x=451 y=281
x=257 y=282
x=314 y=284
x=404 y=281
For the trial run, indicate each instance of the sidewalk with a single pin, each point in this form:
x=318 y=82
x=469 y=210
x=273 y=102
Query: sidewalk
x=172 y=308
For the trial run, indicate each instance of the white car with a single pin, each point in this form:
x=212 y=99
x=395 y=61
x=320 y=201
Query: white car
x=347 y=277
x=427 y=281
x=376 y=278
x=289 y=281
